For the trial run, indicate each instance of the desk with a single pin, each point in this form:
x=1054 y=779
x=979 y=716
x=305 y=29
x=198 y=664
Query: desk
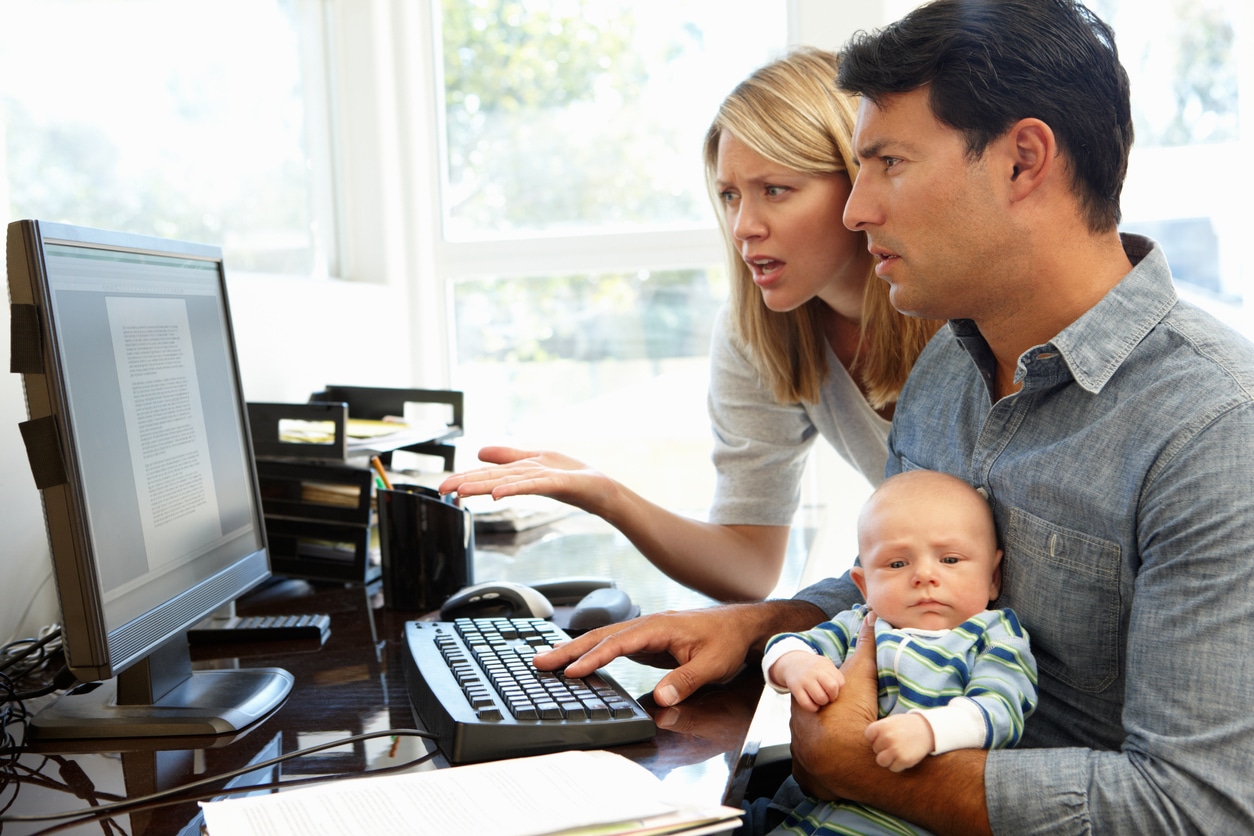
x=345 y=688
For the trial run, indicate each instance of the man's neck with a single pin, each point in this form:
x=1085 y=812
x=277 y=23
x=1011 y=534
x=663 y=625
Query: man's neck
x=1066 y=286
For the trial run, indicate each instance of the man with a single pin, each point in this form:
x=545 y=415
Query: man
x=1111 y=426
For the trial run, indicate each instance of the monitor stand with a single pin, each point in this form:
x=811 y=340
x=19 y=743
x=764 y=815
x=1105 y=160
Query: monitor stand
x=161 y=696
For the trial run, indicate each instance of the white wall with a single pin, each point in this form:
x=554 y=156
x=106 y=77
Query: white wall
x=27 y=598
x=293 y=336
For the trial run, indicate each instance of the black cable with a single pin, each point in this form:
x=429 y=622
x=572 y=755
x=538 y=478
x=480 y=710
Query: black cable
x=141 y=806
x=34 y=645
x=71 y=782
x=181 y=794
x=18 y=665
x=13 y=716
x=63 y=680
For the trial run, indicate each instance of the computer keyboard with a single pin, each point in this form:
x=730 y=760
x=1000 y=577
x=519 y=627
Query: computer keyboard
x=471 y=683
x=261 y=628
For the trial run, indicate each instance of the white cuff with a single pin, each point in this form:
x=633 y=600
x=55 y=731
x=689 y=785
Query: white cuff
x=958 y=725
x=777 y=650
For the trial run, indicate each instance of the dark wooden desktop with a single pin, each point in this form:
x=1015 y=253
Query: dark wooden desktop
x=350 y=686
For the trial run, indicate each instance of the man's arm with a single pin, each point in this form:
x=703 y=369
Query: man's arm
x=708 y=645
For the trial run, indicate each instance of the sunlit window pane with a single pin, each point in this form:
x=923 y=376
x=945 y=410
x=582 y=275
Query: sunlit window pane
x=611 y=367
x=1180 y=56
x=1183 y=59
x=178 y=119
x=564 y=114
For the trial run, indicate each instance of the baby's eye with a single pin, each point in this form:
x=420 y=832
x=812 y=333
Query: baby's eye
x=950 y=559
x=897 y=564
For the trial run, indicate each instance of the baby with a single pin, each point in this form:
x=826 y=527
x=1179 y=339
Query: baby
x=953 y=674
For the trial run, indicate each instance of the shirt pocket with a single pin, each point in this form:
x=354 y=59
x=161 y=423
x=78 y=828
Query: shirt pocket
x=1065 y=587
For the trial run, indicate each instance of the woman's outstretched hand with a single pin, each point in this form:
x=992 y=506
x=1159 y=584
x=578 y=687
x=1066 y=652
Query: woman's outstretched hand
x=515 y=472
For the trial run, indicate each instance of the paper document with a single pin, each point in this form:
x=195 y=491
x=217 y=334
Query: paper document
x=565 y=793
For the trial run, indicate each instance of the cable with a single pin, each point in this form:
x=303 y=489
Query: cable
x=17 y=665
x=49 y=635
x=181 y=794
x=141 y=806
x=61 y=682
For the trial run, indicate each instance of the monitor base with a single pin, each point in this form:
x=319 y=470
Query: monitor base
x=207 y=702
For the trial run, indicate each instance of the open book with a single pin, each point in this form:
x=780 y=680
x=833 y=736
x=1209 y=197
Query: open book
x=570 y=793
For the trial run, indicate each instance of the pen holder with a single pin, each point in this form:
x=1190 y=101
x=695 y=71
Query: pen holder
x=427 y=546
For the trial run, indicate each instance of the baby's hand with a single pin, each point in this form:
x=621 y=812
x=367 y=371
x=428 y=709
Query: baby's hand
x=901 y=741
x=813 y=680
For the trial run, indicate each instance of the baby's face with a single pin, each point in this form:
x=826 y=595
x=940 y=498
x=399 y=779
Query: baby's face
x=928 y=565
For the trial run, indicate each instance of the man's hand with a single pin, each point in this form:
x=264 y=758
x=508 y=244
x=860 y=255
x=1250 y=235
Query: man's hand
x=708 y=645
x=901 y=741
x=829 y=747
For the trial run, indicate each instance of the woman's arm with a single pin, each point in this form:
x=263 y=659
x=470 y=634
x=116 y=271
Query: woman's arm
x=726 y=562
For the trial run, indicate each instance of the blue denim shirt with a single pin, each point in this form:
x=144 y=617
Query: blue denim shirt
x=1122 y=480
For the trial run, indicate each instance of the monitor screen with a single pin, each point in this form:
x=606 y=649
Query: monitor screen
x=138 y=438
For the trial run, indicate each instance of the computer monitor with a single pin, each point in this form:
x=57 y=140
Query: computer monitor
x=138 y=439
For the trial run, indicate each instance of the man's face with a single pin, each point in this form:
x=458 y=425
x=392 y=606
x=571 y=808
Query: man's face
x=937 y=222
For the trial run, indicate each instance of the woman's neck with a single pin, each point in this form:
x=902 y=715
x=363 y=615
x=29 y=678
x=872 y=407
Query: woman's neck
x=844 y=335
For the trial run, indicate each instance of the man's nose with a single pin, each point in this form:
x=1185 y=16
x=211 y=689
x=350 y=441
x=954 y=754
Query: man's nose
x=860 y=208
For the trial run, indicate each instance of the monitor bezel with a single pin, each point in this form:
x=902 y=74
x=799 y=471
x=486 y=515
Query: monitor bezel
x=93 y=651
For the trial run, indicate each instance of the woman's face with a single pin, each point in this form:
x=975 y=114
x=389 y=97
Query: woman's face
x=787 y=227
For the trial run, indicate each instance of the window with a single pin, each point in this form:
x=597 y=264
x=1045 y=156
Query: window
x=579 y=247
x=191 y=120
x=1185 y=186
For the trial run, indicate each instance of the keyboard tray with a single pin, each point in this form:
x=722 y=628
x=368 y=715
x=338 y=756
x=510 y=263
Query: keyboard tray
x=449 y=670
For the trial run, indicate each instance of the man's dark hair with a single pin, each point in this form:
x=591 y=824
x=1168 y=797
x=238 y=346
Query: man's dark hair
x=991 y=63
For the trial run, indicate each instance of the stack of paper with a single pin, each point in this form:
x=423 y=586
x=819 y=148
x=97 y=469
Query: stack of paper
x=566 y=793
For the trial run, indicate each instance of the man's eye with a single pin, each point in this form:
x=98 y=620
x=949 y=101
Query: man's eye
x=890 y=162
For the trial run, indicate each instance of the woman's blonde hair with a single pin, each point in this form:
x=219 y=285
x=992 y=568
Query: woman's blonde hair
x=791 y=113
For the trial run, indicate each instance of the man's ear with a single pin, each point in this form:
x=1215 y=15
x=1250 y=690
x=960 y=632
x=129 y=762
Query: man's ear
x=1030 y=150
x=858 y=575
x=994 y=588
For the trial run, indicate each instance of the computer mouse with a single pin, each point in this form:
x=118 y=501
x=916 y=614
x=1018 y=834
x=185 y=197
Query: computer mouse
x=600 y=607
x=496 y=599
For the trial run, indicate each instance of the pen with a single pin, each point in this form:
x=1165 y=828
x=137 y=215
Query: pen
x=383 y=474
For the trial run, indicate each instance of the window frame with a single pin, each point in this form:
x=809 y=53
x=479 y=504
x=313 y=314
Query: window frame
x=389 y=172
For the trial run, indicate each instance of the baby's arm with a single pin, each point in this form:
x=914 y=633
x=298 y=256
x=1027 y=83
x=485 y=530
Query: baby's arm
x=822 y=649
x=812 y=679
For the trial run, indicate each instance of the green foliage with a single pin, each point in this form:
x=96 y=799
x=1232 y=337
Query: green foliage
x=548 y=123
x=1205 y=89
x=587 y=318
x=506 y=55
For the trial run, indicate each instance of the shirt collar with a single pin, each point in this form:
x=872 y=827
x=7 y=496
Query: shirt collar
x=1094 y=346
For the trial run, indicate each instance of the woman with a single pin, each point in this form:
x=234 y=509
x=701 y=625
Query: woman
x=807 y=344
